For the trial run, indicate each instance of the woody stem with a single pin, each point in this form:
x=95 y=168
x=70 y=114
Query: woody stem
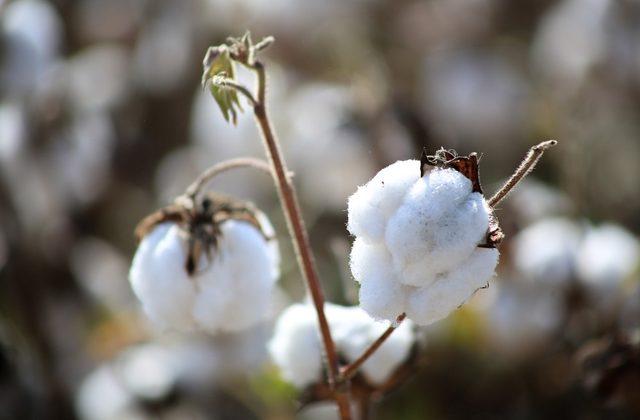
x=299 y=236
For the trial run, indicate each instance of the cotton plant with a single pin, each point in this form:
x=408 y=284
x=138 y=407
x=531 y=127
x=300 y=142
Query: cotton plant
x=426 y=240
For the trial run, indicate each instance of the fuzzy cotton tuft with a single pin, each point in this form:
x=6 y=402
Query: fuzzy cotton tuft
x=230 y=292
x=296 y=346
x=416 y=248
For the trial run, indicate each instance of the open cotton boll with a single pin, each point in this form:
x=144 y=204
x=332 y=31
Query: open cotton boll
x=372 y=204
x=608 y=255
x=546 y=250
x=296 y=346
x=230 y=290
x=159 y=280
x=416 y=247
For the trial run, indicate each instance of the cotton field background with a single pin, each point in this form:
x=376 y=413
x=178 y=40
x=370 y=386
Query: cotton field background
x=103 y=120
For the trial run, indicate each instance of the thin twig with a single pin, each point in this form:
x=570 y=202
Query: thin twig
x=350 y=370
x=527 y=165
x=299 y=236
x=244 y=162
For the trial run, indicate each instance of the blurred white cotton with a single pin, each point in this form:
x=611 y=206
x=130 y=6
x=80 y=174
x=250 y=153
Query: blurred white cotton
x=32 y=35
x=80 y=158
x=102 y=271
x=523 y=318
x=545 y=251
x=163 y=54
x=98 y=77
x=474 y=95
x=327 y=156
x=608 y=255
x=296 y=347
x=570 y=40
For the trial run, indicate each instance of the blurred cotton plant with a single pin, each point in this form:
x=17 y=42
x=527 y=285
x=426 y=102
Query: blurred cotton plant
x=426 y=241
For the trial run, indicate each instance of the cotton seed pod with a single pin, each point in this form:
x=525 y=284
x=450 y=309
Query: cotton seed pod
x=296 y=346
x=209 y=266
x=425 y=237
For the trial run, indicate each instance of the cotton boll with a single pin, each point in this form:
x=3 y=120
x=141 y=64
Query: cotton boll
x=102 y=271
x=146 y=371
x=570 y=40
x=98 y=78
x=476 y=96
x=372 y=204
x=80 y=158
x=296 y=346
x=546 y=251
x=427 y=261
x=163 y=54
x=354 y=331
x=32 y=32
x=523 y=317
x=533 y=201
x=159 y=280
x=383 y=297
x=452 y=289
x=608 y=255
x=102 y=396
x=434 y=229
x=230 y=290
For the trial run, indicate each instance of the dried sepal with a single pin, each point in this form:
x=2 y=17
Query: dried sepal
x=200 y=221
x=467 y=166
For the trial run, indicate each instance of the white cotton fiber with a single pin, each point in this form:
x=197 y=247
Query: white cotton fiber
x=416 y=247
x=608 y=255
x=232 y=291
x=546 y=250
x=296 y=346
x=372 y=204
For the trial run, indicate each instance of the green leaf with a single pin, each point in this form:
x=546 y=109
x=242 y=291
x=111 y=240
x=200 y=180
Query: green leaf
x=217 y=67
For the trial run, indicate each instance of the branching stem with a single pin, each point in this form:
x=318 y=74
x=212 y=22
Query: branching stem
x=350 y=370
x=297 y=229
x=528 y=163
x=243 y=162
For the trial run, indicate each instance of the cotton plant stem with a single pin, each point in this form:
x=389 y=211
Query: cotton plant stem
x=528 y=163
x=350 y=370
x=299 y=236
x=243 y=162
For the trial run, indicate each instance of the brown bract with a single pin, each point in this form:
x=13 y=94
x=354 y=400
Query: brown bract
x=200 y=220
x=467 y=166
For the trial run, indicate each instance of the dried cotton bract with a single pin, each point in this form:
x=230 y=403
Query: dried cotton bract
x=424 y=244
x=297 y=350
x=228 y=284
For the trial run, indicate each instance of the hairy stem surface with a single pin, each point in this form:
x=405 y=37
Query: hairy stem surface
x=243 y=162
x=528 y=163
x=300 y=239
